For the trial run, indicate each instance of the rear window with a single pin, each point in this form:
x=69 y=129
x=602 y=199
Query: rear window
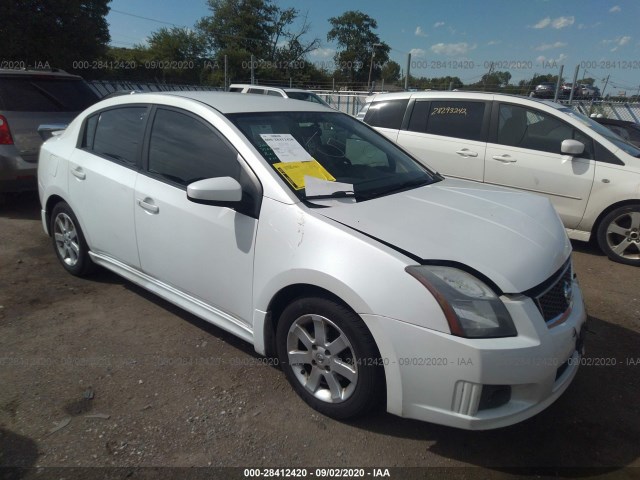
x=36 y=94
x=386 y=114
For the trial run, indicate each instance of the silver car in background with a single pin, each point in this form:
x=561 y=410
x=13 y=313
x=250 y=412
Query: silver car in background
x=30 y=99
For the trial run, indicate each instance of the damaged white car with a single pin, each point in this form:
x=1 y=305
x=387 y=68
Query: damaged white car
x=306 y=233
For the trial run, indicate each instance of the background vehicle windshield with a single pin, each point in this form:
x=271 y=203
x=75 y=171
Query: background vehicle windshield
x=618 y=141
x=344 y=157
x=306 y=96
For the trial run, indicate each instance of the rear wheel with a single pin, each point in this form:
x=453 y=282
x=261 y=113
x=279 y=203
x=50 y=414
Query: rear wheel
x=619 y=235
x=329 y=357
x=68 y=241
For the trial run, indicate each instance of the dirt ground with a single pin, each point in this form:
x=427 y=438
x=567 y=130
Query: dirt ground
x=99 y=373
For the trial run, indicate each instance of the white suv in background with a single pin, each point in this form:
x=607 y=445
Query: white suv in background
x=295 y=93
x=591 y=175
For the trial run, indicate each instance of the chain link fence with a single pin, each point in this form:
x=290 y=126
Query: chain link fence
x=352 y=101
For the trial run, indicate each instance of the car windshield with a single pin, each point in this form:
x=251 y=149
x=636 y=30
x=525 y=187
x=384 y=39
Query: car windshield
x=618 y=141
x=331 y=155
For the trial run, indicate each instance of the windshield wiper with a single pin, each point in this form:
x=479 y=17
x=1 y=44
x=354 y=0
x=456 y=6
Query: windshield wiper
x=337 y=194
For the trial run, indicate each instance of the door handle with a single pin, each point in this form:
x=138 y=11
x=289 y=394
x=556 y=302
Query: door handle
x=465 y=152
x=78 y=173
x=504 y=158
x=149 y=207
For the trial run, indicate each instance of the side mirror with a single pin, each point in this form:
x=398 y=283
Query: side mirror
x=215 y=191
x=572 y=147
x=48 y=131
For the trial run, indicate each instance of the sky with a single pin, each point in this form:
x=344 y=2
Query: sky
x=451 y=37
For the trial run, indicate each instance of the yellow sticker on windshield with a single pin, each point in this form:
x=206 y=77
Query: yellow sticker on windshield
x=294 y=172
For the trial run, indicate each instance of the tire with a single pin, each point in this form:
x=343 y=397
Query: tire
x=619 y=235
x=68 y=241
x=341 y=375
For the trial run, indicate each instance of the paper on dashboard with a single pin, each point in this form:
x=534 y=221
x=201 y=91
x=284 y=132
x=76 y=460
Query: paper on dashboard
x=314 y=186
x=286 y=147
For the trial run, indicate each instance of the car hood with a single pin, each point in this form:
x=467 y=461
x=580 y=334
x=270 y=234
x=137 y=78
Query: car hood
x=515 y=239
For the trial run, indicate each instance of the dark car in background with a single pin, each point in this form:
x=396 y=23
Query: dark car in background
x=29 y=99
x=544 y=90
x=629 y=131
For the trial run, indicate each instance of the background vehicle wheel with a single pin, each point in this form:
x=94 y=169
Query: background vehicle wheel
x=619 y=235
x=68 y=241
x=329 y=357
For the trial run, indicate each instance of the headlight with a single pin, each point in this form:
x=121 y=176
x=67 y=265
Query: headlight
x=472 y=309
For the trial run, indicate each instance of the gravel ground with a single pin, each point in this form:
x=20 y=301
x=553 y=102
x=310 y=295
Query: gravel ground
x=100 y=373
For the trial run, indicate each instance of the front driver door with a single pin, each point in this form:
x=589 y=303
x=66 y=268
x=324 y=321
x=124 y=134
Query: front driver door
x=202 y=250
x=525 y=154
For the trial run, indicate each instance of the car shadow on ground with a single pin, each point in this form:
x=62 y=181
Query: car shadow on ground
x=593 y=427
x=16 y=453
x=588 y=248
x=22 y=206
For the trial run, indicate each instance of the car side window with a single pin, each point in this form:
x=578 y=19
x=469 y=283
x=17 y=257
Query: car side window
x=116 y=133
x=259 y=91
x=535 y=130
x=273 y=93
x=459 y=119
x=184 y=149
x=386 y=114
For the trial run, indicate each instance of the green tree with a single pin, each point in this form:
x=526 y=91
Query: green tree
x=176 y=54
x=390 y=71
x=56 y=33
x=241 y=28
x=359 y=47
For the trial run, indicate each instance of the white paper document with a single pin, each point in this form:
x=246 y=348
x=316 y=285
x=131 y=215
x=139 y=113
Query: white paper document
x=286 y=148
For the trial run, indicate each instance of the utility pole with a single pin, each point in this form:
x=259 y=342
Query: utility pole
x=373 y=54
x=484 y=81
x=573 y=85
x=605 y=85
x=253 y=77
x=406 y=78
x=555 y=96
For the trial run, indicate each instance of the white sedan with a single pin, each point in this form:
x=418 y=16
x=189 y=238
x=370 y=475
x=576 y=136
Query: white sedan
x=306 y=233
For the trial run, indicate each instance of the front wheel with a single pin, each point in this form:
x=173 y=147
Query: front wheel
x=329 y=357
x=619 y=235
x=68 y=241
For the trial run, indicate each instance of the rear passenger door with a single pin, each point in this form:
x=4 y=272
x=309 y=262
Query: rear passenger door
x=102 y=176
x=448 y=135
x=524 y=153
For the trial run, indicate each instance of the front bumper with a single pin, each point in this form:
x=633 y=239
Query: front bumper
x=440 y=378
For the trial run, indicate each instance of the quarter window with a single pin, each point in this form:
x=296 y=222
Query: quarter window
x=386 y=114
x=118 y=133
x=184 y=149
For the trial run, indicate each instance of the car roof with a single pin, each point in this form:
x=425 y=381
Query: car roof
x=226 y=102
x=8 y=72
x=266 y=87
x=613 y=121
x=462 y=94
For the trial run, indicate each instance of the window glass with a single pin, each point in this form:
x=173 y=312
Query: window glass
x=532 y=129
x=457 y=119
x=90 y=132
x=119 y=133
x=386 y=114
x=256 y=90
x=332 y=147
x=39 y=94
x=273 y=93
x=419 y=115
x=184 y=150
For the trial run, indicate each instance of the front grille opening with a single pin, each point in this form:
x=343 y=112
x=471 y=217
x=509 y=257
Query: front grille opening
x=553 y=298
x=561 y=369
x=494 y=396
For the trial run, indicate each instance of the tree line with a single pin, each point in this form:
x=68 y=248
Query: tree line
x=246 y=39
